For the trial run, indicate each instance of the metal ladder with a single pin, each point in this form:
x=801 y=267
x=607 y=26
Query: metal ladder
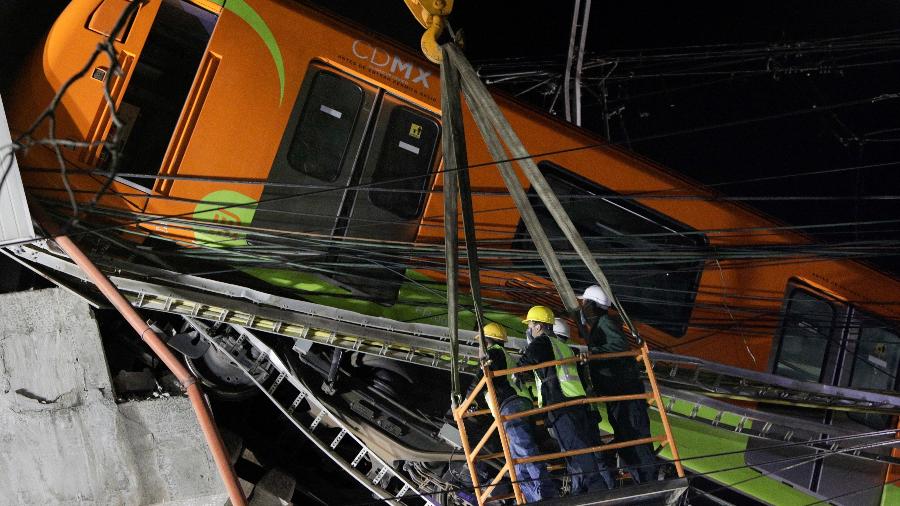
x=288 y=393
x=717 y=380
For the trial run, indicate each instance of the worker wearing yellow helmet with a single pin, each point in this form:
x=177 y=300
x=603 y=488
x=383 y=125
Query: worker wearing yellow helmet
x=534 y=479
x=570 y=425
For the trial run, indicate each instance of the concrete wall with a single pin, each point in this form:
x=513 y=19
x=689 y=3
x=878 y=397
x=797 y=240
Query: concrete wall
x=64 y=440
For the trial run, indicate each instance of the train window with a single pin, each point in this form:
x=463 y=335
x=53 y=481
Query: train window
x=404 y=162
x=805 y=335
x=657 y=292
x=875 y=366
x=322 y=137
x=878 y=353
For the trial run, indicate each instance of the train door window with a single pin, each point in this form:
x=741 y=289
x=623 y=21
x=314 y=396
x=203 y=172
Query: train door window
x=805 y=336
x=404 y=162
x=160 y=84
x=878 y=357
x=657 y=292
x=319 y=154
x=876 y=363
x=398 y=169
x=322 y=139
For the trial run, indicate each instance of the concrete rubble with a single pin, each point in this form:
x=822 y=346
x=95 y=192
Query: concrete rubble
x=65 y=440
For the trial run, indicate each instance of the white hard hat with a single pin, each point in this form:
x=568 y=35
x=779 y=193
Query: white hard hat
x=561 y=328
x=596 y=294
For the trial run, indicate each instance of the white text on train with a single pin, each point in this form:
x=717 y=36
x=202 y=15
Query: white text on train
x=378 y=57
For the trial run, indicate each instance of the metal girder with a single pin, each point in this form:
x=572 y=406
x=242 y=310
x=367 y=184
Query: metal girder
x=777 y=428
x=719 y=380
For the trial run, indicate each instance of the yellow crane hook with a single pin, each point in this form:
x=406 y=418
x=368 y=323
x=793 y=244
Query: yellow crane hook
x=431 y=14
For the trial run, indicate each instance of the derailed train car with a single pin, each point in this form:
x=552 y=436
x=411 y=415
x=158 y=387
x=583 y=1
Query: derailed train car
x=294 y=125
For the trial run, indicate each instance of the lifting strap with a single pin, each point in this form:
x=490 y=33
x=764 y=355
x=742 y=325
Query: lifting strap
x=494 y=127
x=456 y=184
x=545 y=250
x=455 y=146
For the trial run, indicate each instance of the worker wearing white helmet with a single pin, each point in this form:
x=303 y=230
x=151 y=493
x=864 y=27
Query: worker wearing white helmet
x=629 y=419
x=596 y=295
x=561 y=329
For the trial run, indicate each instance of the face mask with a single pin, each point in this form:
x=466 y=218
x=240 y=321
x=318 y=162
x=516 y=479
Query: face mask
x=528 y=336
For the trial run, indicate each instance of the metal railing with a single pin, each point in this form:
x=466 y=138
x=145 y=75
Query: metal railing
x=473 y=453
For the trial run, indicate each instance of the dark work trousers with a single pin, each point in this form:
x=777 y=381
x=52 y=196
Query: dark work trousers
x=573 y=431
x=629 y=421
x=534 y=479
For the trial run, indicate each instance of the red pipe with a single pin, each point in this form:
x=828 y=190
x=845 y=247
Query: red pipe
x=210 y=431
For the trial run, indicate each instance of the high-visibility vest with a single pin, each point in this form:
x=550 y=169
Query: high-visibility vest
x=521 y=391
x=567 y=374
x=599 y=409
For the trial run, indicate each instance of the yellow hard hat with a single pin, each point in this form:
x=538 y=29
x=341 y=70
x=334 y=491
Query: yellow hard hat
x=495 y=331
x=541 y=314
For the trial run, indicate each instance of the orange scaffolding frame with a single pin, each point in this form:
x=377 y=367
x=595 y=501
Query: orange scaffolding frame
x=472 y=453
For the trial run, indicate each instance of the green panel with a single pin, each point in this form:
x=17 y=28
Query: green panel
x=418 y=300
x=891 y=495
x=695 y=439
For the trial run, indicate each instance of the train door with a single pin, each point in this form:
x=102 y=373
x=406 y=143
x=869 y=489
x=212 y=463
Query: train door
x=354 y=162
x=159 y=87
x=824 y=340
x=159 y=53
x=393 y=188
x=317 y=159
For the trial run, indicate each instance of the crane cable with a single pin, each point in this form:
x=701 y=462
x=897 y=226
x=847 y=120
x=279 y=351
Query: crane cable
x=494 y=127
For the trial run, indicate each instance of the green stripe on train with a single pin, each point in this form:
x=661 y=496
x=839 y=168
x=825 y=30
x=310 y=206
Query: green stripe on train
x=419 y=300
x=696 y=439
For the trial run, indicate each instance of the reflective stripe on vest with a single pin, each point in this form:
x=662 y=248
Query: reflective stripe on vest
x=510 y=363
x=567 y=374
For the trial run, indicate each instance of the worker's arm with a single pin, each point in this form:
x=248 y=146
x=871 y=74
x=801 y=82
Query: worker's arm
x=478 y=376
x=498 y=361
x=606 y=336
x=615 y=336
x=540 y=350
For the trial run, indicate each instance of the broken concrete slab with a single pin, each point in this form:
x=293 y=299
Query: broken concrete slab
x=134 y=382
x=275 y=488
x=65 y=440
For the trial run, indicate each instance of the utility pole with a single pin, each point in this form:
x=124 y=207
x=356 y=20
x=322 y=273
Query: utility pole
x=575 y=58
